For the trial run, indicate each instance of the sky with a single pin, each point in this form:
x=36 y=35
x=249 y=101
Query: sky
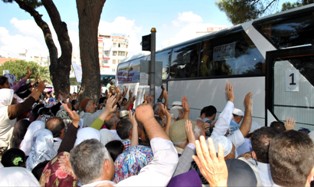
x=175 y=21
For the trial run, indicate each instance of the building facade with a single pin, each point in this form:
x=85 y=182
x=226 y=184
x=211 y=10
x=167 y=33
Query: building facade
x=112 y=49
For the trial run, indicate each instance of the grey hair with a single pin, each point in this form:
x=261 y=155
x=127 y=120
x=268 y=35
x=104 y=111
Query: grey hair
x=87 y=160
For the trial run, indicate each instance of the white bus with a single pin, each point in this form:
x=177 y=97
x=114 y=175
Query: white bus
x=273 y=57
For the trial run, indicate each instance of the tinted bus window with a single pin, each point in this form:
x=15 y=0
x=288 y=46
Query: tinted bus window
x=184 y=62
x=105 y=79
x=288 y=31
x=122 y=73
x=164 y=58
x=134 y=71
x=234 y=54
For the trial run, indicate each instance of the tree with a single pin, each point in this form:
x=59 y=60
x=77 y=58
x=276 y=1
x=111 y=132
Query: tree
x=89 y=12
x=239 y=11
x=289 y=5
x=59 y=66
x=19 y=67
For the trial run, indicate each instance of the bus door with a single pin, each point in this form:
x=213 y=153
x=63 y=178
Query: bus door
x=289 y=86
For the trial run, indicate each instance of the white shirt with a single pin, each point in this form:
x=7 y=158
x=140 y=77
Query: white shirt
x=158 y=172
x=222 y=126
x=17 y=176
x=264 y=173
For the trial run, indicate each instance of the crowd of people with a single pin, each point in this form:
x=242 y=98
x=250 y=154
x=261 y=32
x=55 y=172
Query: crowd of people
x=63 y=141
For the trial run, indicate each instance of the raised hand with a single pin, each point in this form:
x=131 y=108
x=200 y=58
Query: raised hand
x=75 y=117
x=111 y=104
x=248 y=101
x=189 y=131
x=290 y=123
x=144 y=113
x=229 y=92
x=213 y=167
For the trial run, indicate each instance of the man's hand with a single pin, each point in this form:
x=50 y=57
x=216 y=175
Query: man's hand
x=289 y=124
x=72 y=114
x=189 y=131
x=212 y=167
x=111 y=105
x=229 y=92
x=144 y=113
x=248 y=101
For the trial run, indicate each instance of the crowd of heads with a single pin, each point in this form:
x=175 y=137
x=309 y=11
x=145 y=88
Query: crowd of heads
x=74 y=142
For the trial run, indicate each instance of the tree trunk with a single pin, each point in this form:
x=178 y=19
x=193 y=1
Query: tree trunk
x=59 y=67
x=89 y=12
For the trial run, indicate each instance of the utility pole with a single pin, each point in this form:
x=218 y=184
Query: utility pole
x=152 y=63
x=149 y=44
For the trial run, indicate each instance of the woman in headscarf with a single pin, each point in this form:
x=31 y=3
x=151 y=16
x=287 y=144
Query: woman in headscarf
x=42 y=148
x=26 y=143
x=9 y=111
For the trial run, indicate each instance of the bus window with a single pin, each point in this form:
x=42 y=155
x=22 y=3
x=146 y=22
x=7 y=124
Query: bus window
x=122 y=72
x=287 y=31
x=235 y=55
x=206 y=59
x=184 y=62
x=164 y=58
x=134 y=71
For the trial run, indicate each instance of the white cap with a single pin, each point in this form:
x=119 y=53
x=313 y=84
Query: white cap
x=176 y=103
x=225 y=142
x=237 y=112
x=175 y=109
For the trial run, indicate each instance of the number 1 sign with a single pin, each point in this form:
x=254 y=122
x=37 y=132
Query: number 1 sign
x=292 y=80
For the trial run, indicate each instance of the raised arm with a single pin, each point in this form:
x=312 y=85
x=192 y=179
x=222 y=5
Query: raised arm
x=145 y=114
x=222 y=124
x=134 y=140
x=165 y=156
x=166 y=113
x=20 y=108
x=186 y=107
x=68 y=141
x=110 y=107
x=247 y=119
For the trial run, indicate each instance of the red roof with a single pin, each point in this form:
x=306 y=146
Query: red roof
x=4 y=60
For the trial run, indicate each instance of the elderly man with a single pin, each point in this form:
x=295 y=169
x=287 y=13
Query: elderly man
x=93 y=165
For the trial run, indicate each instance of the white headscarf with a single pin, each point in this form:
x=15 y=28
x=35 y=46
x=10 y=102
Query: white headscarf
x=86 y=133
x=106 y=136
x=26 y=143
x=6 y=96
x=17 y=176
x=42 y=148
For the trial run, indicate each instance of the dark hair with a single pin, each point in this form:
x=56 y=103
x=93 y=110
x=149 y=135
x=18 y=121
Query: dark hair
x=101 y=100
x=39 y=168
x=260 y=142
x=278 y=126
x=124 y=127
x=209 y=111
x=291 y=158
x=240 y=173
x=3 y=80
x=55 y=125
x=13 y=157
x=115 y=148
x=24 y=91
x=19 y=131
